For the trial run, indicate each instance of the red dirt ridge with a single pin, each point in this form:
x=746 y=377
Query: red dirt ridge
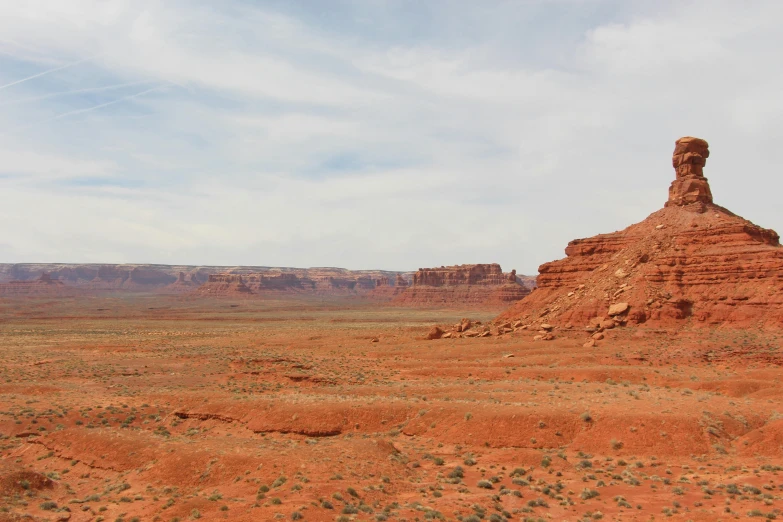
x=692 y=261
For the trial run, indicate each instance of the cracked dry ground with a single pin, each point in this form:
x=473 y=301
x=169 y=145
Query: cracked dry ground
x=153 y=408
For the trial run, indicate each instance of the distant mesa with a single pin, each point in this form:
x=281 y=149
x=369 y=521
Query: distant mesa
x=224 y=285
x=692 y=261
x=479 y=284
x=322 y=282
x=184 y=279
x=185 y=283
x=387 y=289
x=44 y=286
x=96 y=276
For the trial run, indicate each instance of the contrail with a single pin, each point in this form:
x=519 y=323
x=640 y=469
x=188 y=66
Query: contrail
x=96 y=107
x=48 y=71
x=75 y=91
x=88 y=109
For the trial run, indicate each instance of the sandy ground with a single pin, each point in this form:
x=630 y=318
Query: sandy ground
x=165 y=408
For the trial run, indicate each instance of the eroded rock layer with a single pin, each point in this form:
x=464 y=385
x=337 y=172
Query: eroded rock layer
x=182 y=278
x=44 y=286
x=387 y=289
x=690 y=261
x=480 y=274
x=224 y=285
x=480 y=284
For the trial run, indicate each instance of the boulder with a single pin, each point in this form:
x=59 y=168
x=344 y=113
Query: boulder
x=618 y=309
x=435 y=333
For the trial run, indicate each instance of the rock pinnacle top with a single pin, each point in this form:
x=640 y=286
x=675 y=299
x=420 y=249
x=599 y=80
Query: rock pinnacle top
x=690 y=187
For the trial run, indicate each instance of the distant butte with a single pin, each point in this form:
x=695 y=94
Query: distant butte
x=692 y=261
x=479 y=284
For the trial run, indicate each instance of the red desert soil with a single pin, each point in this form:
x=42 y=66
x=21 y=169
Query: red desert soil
x=173 y=408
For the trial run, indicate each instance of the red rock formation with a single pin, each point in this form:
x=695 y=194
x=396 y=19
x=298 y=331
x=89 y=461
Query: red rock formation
x=163 y=278
x=690 y=186
x=486 y=274
x=44 y=286
x=527 y=281
x=475 y=285
x=317 y=281
x=385 y=290
x=184 y=283
x=278 y=282
x=224 y=285
x=691 y=261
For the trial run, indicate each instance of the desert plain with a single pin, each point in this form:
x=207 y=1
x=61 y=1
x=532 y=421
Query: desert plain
x=131 y=407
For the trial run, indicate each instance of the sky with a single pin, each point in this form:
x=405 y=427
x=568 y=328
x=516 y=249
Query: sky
x=372 y=134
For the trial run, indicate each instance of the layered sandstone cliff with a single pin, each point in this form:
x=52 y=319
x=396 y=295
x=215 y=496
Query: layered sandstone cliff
x=692 y=261
x=477 y=285
x=44 y=286
x=224 y=285
x=182 y=278
x=387 y=289
x=322 y=282
x=98 y=276
x=184 y=283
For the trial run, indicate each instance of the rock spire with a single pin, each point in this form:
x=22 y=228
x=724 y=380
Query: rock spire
x=690 y=187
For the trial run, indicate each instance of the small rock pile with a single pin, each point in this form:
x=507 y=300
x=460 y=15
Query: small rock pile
x=617 y=315
x=469 y=328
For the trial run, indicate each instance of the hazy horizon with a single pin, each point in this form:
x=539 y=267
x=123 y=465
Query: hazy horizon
x=385 y=135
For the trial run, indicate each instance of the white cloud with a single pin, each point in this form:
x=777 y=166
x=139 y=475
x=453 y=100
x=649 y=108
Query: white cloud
x=18 y=163
x=376 y=138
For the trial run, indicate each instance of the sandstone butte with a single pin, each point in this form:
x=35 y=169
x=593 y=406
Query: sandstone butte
x=184 y=283
x=692 y=262
x=480 y=284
